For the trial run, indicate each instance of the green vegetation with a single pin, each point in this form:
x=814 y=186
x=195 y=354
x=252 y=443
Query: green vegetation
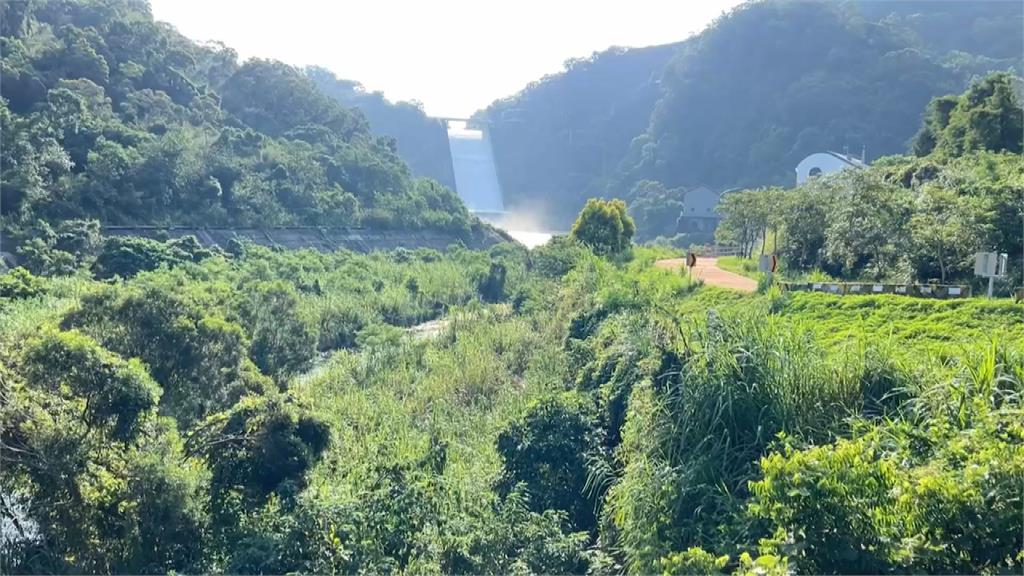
x=167 y=407
x=268 y=412
x=109 y=115
x=904 y=217
x=422 y=142
x=647 y=125
x=604 y=226
x=556 y=139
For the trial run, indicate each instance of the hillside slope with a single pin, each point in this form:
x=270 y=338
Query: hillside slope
x=810 y=77
x=554 y=140
x=739 y=104
x=109 y=115
x=422 y=141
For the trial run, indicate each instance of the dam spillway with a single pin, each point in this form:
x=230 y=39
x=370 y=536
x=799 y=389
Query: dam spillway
x=476 y=178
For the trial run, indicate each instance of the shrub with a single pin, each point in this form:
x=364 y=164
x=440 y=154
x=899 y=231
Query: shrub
x=119 y=392
x=492 y=286
x=340 y=322
x=897 y=498
x=546 y=450
x=199 y=360
x=19 y=284
x=41 y=258
x=556 y=258
x=283 y=338
x=127 y=256
x=604 y=225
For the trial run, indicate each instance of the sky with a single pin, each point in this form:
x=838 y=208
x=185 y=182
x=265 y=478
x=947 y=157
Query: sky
x=454 y=56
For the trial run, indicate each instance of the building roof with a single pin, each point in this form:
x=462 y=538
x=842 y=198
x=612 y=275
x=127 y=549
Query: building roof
x=698 y=187
x=856 y=162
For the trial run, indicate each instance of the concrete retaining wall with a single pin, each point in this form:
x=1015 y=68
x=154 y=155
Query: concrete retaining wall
x=322 y=239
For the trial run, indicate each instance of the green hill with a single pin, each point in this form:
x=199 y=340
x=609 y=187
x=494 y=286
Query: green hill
x=109 y=115
x=422 y=141
x=740 y=104
x=555 y=140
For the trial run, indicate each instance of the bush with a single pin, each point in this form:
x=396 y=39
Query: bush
x=492 y=286
x=127 y=256
x=340 y=322
x=59 y=252
x=557 y=257
x=897 y=498
x=120 y=392
x=264 y=443
x=41 y=258
x=283 y=339
x=546 y=451
x=19 y=284
x=604 y=225
x=200 y=361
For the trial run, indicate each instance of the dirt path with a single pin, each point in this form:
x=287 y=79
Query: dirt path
x=708 y=270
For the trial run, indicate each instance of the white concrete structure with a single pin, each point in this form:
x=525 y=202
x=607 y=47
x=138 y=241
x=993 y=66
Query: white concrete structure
x=699 y=210
x=700 y=202
x=821 y=163
x=476 y=179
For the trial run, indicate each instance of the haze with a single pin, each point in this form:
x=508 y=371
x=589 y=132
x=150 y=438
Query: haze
x=455 y=56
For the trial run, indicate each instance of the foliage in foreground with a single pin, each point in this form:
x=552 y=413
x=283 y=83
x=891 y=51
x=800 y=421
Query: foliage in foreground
x=267 y=412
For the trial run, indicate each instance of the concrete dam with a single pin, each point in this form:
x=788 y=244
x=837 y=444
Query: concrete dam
x=476 y=178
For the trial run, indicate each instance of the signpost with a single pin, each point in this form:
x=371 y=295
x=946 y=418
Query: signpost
x=768 y=264
x=691 y=261
x=990 y=265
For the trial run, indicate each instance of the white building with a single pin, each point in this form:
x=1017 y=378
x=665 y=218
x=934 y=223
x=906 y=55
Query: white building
x=699 y=209
x=821 y=163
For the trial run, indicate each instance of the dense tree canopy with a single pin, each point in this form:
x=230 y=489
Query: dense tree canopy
x=107 y=114
x=422 y=141
x=810 y=78
x=986 y=117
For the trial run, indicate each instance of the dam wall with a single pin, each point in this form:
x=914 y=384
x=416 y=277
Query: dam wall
x=476 y=178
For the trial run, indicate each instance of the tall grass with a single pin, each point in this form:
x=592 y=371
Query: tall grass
x=391 y=402
x=695 y=433
x=21 y=318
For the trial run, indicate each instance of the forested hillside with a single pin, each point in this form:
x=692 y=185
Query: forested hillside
x=554 y=140
x=988 y=31
x=422 y=141
x=109 y=115
x=741 y=103
x=812 y=76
